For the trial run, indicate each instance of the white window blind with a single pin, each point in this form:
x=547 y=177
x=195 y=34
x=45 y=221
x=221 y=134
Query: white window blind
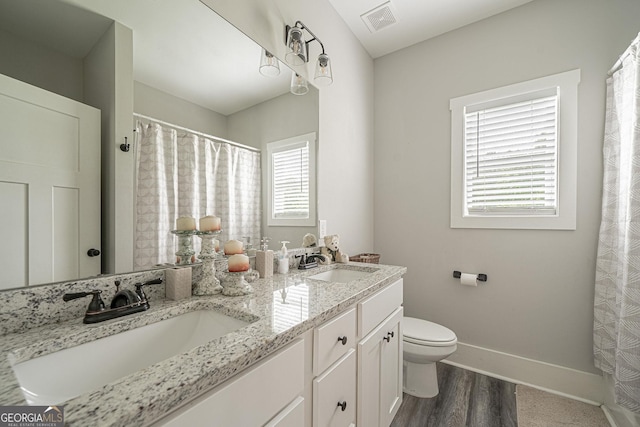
x=511 y=157
x=291 y=196
x=514 y=155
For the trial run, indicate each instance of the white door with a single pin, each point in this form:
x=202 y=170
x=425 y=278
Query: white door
x=49 y=186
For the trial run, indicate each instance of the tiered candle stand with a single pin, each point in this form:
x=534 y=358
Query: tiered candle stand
x=234 y=284
x=185 y=246
x=208 y=283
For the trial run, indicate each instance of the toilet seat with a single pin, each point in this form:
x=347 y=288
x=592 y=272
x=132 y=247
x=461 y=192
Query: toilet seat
x=423 y=332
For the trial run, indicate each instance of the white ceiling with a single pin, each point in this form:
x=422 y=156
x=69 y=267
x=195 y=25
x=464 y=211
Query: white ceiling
x=185 y=49
x=417 y=20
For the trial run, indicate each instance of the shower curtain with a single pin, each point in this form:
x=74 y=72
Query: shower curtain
x=180 y=173
x=617 y=288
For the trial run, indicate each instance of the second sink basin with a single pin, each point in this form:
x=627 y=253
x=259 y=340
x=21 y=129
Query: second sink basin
x=57 y=377
x=340 y=275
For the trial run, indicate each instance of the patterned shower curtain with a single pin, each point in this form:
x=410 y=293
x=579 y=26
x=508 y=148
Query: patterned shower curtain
x=617 y=290
x=184 y=174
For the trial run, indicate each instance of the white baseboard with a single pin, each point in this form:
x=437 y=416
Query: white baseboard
x=583 y=386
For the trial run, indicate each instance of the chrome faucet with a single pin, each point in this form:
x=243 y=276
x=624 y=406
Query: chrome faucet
x=124 y=302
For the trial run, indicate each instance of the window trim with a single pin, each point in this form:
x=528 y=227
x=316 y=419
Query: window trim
x=277 y=146
x=565 y=217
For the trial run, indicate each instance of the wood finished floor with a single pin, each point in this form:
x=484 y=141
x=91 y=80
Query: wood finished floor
x=466 y=399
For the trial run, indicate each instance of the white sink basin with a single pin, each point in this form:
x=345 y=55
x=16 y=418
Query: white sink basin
x=56 y=377
x=340 y=275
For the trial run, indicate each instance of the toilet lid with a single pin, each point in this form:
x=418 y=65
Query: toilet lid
x=423 y=331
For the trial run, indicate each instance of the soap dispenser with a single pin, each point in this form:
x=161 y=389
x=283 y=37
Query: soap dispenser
x=283 y=258
x=264 y=259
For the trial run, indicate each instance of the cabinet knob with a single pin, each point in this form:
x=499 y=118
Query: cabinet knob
x=343 y=405
x=391 y=334
x=387 y=338
x=343 y=340
x=93 y=252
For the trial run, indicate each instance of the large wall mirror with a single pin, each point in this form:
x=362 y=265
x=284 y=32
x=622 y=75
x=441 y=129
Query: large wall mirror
x=191 y=68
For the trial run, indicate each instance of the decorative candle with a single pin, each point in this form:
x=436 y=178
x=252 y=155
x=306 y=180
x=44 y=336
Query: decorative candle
x=209 y=223
x=238 y=263
x=185 y=223
x=232 y=247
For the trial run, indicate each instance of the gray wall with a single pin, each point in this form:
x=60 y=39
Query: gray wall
x=108 y=85
x=538 y=301
x=41 y=66
x=279 y=118
x=160 y=105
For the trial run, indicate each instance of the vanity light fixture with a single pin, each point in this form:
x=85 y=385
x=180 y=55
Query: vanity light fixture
x=269 y=64
x=323 y=76
x=298 y=49
x=298 y=53
x=299 y=85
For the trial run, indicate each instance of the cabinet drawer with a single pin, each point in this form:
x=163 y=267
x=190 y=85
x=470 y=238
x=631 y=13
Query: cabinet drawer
x=377 y=307
x=334 y=394
x=291 y=416
x=333 y=339
x=265 y=388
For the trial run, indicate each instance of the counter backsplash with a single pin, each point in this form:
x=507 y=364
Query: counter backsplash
x=34 y=306
x=30 y=307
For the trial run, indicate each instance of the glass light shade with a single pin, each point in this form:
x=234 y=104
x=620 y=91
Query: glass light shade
x=297 y=54
x=269 y=64
x=299 y=85
x=323 y=76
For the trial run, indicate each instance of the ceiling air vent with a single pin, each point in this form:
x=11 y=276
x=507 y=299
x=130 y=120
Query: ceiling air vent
x=379 y=17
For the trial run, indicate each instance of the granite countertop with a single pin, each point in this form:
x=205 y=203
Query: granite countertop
x=152 y=392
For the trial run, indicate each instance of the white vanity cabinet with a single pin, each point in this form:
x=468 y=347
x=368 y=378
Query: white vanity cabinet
x=347 y=370
x=380 y=357
x=269 y=393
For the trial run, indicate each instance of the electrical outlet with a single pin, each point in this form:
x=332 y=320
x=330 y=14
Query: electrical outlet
x=322 y=228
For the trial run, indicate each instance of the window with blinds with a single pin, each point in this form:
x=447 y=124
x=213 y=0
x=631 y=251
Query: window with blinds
x=511 y=156
x=291 y=181
x=514 y=155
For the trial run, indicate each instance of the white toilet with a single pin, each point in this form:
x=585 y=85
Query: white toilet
x=424 y=344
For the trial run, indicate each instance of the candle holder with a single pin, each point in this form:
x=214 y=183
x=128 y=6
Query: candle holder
x=185 y=246
x=208 y=283
x=234 y=284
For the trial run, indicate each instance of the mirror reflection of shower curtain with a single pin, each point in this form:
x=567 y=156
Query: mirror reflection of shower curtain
x=185 y=174
x=616 y=332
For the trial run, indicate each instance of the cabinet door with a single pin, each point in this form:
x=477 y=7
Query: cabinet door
x=380 y=372
x=391 y=368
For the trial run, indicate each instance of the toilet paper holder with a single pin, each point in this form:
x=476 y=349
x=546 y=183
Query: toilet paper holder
x=481 y=277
